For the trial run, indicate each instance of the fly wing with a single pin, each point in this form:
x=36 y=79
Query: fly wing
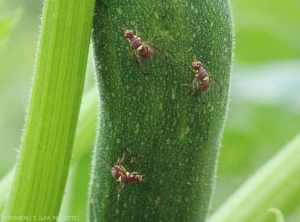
x=215 y=85
x=203 y=96
x=158 y=54
x=144 y=65
x=120 y=168
x=106 y=163
x=120 y=191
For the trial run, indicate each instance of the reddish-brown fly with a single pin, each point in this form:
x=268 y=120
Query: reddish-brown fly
x=202 y=79
x=119 y=172
x=143 y=51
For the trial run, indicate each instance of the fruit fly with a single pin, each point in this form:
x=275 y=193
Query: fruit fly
x=202 y=79
x=119 y=172
x=143 y=51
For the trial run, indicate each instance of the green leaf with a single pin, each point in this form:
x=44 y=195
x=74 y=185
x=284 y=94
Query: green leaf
x=48 y=138
x=165 y=132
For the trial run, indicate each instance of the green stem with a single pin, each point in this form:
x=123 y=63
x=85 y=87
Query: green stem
x=48 y=138
x=166 y=133
x=5 y=185
x=84 y=138
x=277 y=213
x=275 y=185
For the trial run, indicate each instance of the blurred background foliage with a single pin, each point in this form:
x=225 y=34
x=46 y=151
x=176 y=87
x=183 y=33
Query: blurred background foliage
x=265 y=94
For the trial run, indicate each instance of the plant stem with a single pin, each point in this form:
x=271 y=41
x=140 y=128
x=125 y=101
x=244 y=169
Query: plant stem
x=84 y=138
x=276 y=184
x=50 y=126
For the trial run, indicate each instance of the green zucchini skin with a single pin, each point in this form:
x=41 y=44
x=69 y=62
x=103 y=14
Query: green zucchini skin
x=165 y=131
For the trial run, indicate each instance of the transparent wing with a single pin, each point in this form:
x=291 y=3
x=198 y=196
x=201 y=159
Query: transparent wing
x=145 y=65
x=120 y=191
x=106 y=163
x=203 y=96
x=120 y=168
x=215 y=84
x=158 y=54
